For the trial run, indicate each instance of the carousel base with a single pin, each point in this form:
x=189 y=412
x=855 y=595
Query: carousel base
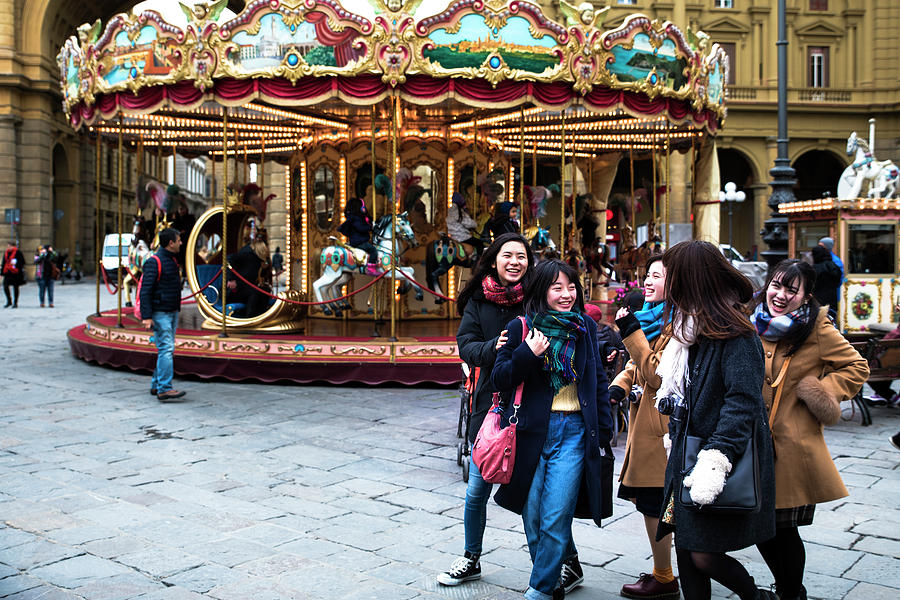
x=329 y=350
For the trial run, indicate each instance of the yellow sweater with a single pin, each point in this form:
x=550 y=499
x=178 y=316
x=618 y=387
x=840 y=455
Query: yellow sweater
x=566 y=399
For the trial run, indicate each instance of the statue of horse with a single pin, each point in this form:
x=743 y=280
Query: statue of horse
x=138 y=251
x=541 y=242
x=340 y=262
x=883 y=176
x=631 y=260
x=443 y=254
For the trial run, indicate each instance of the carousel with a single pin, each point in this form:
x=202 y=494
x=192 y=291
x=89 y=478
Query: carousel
x=432 y=125
x=864 y=222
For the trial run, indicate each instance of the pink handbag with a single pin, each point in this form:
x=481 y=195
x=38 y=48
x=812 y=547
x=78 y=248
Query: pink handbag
x=494 y=452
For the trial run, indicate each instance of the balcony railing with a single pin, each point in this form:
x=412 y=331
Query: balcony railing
x=769 y=94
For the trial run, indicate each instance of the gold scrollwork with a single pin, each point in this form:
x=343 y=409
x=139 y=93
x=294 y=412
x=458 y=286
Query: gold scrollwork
x=193 y=345
x=245 y=348
x=303 y=349
x=428 y=351
x=358 y=351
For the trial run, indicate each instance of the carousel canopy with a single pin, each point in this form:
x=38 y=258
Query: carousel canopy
x=293 y=73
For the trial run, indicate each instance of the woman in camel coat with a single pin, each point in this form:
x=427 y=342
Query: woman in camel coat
x=809 y=370
x=644 y=466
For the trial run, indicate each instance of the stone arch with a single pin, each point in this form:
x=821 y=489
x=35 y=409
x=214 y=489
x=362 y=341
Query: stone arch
x=736 y=166
x=817 y=174
x=64 y=214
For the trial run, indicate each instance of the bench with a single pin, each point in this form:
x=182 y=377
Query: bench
x=883 y=357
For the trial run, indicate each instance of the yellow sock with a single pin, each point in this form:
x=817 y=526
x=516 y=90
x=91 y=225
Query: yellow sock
x=664 y=575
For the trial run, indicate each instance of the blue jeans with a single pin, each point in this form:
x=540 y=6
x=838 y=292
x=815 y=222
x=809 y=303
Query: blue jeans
x=45 y=285
x=550 y=506
x=164 y=337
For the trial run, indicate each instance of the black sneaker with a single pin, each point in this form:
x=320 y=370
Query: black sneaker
x=465 y=568
x=895 y=440
x=571 y=575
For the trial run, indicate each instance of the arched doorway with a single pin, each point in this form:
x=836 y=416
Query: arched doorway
x=817 y=173
x=63 y=217
x=737 y=222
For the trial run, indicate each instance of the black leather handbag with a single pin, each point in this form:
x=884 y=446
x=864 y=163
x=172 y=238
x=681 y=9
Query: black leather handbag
x=741 y=494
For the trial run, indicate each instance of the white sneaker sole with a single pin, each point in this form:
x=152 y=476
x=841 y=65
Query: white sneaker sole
x=445 y=579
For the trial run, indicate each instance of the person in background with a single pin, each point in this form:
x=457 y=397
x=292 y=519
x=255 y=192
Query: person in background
x=277 y=264
x=159 y=305
x=460 y=224
x=644 y=467
x=45 y=260
x=13 y=269
x=828 y=244
x=357 y=226
x=492 y=297
x=505 y=219
x=564 y=421
x=827 y=279
x=810 y=369
x=711 y=378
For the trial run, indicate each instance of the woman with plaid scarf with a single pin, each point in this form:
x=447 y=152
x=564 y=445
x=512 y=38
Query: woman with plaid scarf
x=564 y=422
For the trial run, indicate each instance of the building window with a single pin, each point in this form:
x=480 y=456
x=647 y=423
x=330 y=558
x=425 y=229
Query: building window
x=626 y=1
x=818 y=4
x=872 y=248
x=729 y=48
x=724 y=4
x=817 y=60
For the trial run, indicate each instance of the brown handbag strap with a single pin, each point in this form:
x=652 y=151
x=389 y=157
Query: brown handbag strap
x=778 y=387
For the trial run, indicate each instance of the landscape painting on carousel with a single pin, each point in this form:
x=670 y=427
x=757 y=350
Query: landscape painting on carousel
x=144 y=55
x=472 y=42
x=641 y=61
x=276 y=43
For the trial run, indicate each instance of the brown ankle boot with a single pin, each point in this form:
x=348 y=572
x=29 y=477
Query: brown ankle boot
x=648 y=586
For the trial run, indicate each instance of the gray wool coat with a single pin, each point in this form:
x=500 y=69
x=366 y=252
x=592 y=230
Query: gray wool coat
x=725 y=395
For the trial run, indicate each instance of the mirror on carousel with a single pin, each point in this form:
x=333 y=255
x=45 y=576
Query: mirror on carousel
x=323 y=193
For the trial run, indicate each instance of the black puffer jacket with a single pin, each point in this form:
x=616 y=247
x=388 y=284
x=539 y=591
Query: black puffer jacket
x=160 y=291
x=476 y=338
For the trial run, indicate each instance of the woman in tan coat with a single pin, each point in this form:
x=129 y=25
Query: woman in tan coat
x=644 y=467
x=809 y=370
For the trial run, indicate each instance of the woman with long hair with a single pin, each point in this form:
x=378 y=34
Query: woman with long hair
x=564 y=421
x=810 y=368
x=711 y=377
x=644 y=466
x=491 y=298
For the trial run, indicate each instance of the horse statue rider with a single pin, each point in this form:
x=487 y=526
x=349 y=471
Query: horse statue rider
x=883 y=176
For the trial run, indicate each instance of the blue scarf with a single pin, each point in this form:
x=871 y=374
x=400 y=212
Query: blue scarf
x=774 y=328
x=650 y=317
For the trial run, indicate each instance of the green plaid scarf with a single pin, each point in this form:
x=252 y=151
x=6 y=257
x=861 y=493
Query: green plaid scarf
x=563 y=330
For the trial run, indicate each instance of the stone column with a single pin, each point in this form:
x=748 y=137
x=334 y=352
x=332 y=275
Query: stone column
x=707 y=210
x=9 y=172
x=34 y=189
x=605 y=167
x=760 y=198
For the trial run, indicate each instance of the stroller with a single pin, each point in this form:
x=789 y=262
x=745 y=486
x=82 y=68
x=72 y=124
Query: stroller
x=466 y=400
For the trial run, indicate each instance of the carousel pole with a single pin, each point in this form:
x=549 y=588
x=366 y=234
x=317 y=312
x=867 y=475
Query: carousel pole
x=631 y=183
x=521 y=170
x=562 y=186
x=668 y=181
x=394 y=200
x=574 y=225
x=475 y=198
x=379 y=287
x=224 y=252
x=246 y=163
x=693 y=181
x=261 y=172
x=653 y=197
x=212 y=187
x=120 y=219
x=98 y=253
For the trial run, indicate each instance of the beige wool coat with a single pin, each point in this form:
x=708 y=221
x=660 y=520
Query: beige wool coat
x=824 y=372
x=645 y=459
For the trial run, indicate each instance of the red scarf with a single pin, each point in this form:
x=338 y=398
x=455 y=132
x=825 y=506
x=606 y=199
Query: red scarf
x=504 y=296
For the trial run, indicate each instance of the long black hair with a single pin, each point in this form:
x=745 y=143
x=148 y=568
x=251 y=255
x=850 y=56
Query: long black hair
x=792 y=272
x=544 y=276
x=487 y=267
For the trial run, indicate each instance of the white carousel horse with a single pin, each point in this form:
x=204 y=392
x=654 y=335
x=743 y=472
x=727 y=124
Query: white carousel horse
x=882 y=175
x=138 y=251
x=340 y=262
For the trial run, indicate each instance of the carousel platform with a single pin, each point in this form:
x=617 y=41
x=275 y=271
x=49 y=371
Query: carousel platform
x=328 y=350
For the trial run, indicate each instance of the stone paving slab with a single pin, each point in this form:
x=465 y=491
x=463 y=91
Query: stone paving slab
x=249 y=491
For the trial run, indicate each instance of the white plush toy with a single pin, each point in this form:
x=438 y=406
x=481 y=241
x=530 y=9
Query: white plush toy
x=707 y=479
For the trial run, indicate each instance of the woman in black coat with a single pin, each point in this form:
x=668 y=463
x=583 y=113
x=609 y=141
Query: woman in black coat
x=564 y=422
x=13 y=268
x=714 y=361
x=492 y=297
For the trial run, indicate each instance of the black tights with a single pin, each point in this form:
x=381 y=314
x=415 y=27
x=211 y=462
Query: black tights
x=11 y=300
x=696 y=569
x=786 y=558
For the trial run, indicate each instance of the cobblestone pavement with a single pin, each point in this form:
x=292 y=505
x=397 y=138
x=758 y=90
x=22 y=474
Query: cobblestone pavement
x=251 y=491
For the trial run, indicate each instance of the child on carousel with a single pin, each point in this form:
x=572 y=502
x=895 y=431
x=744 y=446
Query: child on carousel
x=357 y=226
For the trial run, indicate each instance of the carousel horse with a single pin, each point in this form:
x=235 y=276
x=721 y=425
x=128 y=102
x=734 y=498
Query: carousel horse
x=631 y=260
x=541 y=242
x=340 y=262
x=138 y=252
x=883 y=175
x=443 y=254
